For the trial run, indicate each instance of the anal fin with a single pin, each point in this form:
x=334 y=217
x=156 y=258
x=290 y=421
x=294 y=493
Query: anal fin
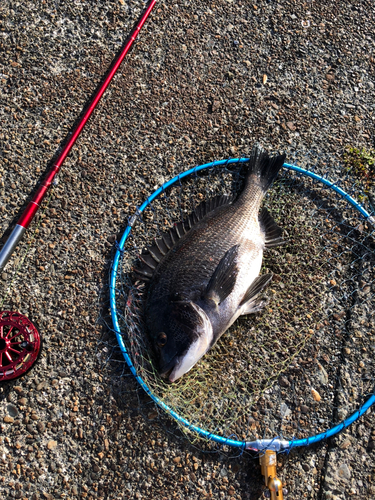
x=251 y=301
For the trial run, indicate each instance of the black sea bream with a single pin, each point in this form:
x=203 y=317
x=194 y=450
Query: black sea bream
x=204 y=274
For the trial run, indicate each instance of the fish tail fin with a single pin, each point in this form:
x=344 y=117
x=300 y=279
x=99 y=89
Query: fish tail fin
x=264 y=168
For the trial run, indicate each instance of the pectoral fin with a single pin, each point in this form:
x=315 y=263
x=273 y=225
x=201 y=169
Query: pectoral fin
x=224 y=278
x=251 y=302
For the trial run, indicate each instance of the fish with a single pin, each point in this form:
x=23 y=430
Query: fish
x=205 y=272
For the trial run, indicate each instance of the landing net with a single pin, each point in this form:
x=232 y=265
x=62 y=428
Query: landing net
x=307 y=361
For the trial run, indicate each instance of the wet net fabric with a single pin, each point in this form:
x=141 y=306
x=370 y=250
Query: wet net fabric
x=307 y=361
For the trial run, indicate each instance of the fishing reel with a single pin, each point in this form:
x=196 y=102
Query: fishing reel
x=20 y=345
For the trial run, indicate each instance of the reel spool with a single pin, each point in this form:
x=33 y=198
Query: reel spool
x=20 y=345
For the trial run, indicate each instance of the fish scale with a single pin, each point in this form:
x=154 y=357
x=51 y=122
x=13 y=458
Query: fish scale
x=200 y=250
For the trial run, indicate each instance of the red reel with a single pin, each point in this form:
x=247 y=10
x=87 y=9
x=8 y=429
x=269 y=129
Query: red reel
x=20 y=345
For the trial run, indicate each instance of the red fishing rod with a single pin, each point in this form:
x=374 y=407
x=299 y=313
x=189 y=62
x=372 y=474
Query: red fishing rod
x=19 y=339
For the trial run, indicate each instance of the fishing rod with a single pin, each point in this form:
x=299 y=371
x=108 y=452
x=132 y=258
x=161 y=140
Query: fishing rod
x=19 y=339
x=30 y=211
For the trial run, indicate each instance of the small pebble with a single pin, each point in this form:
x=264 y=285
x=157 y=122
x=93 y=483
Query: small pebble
x=51 y=445
x=315 y=395
x=12 y=410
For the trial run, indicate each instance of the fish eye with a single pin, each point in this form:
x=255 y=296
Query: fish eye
x=162 y=339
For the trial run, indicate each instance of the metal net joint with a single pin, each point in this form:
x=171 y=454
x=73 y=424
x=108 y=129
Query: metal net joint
x=267 y=444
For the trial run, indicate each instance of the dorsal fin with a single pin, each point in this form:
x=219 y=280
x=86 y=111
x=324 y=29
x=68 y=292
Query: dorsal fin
x=151 y=257
x=148 y=260
x=212 y=204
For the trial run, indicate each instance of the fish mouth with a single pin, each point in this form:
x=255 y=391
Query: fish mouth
x=172 y=371
x=180 y=365
x=167 y=369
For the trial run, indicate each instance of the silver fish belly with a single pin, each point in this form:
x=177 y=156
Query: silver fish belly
x=204 y=274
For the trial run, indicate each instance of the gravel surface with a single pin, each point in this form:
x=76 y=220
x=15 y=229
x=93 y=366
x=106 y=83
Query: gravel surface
x=204 y=81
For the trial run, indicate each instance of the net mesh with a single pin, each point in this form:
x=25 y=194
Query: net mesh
x=307 y=361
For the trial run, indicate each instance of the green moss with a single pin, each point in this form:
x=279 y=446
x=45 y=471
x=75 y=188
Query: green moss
x=360 y=162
